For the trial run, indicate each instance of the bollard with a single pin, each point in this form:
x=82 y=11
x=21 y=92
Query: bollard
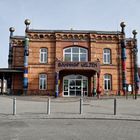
x=14 y=106
x=126 y=95
x=48 y=106
x=115 y=105
x=81 y=105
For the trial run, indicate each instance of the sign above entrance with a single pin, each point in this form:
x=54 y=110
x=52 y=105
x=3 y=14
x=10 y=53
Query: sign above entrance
x=61 y=65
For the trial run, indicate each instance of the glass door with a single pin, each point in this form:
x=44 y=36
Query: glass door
x=72 y=87
x=75 y=85
x=85 y=87
x=78 y=87
x=66 y=87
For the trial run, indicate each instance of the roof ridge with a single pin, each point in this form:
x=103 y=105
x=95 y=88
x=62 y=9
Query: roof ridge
x=74 y=31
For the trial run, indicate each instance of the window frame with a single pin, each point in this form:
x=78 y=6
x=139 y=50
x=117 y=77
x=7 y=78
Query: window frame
x=42 y=55
x=72 y=54
x=107 y=80
x=44 y=81
x=107 y=55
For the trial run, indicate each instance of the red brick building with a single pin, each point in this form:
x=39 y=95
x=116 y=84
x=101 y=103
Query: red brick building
x=72 y=62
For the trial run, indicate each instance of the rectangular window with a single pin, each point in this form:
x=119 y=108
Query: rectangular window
x=107 y=82
x=41 y=58
x=43 y=55
x=106 y=56
x=42 y=81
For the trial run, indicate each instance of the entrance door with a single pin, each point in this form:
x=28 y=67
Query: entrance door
x=78 y=87
x=75 y=85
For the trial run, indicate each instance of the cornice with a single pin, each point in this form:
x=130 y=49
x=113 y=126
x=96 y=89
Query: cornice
x=72 y=37
x=17 y=42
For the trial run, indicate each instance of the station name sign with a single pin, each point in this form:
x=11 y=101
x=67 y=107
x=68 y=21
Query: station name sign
x=77 y=65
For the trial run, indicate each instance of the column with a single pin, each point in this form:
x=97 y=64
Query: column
x=136 y=76
x=98 y=85
x=10 y=56
x=123 y=58
x=26 y=54
x=56 y=84
x=94 y=84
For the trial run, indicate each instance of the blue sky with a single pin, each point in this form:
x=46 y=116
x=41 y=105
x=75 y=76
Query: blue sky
x=65 y=14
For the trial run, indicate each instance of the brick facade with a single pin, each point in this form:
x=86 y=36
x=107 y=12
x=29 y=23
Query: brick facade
x=55 y=41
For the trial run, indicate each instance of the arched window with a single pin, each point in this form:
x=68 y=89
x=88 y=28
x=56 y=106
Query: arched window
x=107 y=56
x=107 y=82
x=42 y=81
x=43 y=55
x=75 y=54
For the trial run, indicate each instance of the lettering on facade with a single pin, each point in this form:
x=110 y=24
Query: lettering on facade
x=90 y=64
x=61 y=64
x=77 y=65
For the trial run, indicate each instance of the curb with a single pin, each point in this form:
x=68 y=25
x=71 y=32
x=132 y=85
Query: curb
x=78 y=116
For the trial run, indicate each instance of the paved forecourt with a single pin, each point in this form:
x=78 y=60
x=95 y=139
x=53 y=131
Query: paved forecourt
x=36 y=107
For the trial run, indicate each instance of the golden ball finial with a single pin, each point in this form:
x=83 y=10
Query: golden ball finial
x=27 y=22
x=11 y=29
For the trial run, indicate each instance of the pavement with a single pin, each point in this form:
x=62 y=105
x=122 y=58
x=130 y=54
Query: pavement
x=35 y=107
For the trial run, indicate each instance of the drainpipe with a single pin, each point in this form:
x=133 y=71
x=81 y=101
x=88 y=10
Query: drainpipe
x=136 y=76
x=123 y=58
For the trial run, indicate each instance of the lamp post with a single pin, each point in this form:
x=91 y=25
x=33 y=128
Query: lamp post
x=135 y=51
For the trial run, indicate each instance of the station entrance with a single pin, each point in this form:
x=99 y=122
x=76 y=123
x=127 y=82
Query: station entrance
x=75 y=85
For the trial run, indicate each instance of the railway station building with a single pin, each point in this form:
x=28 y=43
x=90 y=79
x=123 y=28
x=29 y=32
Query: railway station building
x=71 y=63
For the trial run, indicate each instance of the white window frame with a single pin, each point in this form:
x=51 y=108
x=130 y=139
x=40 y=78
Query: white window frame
x=107 y=79
x=43 y=81
x=72 y=53
x=107 y=56
x=43 y=54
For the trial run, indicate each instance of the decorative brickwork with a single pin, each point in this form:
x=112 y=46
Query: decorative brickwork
x=97 y=64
